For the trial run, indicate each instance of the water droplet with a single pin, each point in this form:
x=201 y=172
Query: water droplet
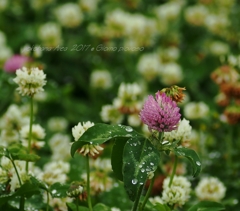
x=135 y=144
x=141 y=183
x=134 y=181
x=142 y=170
x=140 y=166
x=198 y=163
x=152 y=164
x=150 y=148
x=165 y=142
x=54 y=191
x=90 y=142
x=128 y=129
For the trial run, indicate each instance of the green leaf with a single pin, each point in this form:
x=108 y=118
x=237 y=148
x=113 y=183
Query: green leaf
x=101 y=207
x=100 y=133
x=117 y=156
x=19 y=152
x=28 y=189
x=139 y=159
x=207 y=206
x=162 y=207
x=59 y=190
x=192 y=156
x=73 y=207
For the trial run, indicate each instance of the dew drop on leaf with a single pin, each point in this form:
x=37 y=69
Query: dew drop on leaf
x=134 y=181
x=128 y=129
x=198 y=163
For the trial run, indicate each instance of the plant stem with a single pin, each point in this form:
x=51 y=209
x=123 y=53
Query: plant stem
x=88 y=185
x=30 y=130
x=47 y=201
x=77 y=203
x=15 y=168
x=22 y=199
x=174 y=171
x=230 y=147
x=136 y=202
x=148 y=193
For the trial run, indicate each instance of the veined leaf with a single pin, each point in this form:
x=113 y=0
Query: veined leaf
x=100 y=133
x=140 y=158
x=192 y=156
x=117 y=156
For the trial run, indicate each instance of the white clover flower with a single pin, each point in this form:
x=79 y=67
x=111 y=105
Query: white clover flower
x=155 y=200
x=38 y=134
x=196 y=110
x=134 y=120
x=128 y=99
x=30 y=81
x=110 y=113
x=178 y=193
x=210 y=188
x=60 y=146
x=168 y=11
x=69 y=15
x=5 y=53
x=59 y=204
x=218 y=48
x=3 y=176
x=50 y=34
x=169 y=54
x=80 y=128
x=171 y=74
x=55 y=171
x=88 y=5
x=99 y=181
x=101 y=79
x=149 y=66
x=103 y=164
x=14 y=183
x=217 y=23
x=183 y=132
x=196 y=14
x=90 y=149
x=116 y=21
x=57 y=124
x=3 y=4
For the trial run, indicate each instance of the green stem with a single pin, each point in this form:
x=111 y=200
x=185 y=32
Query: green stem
x=15 y=168
x=30 y=130
x=174 y=171
x=148 y=193
x=22 y=199
x=230 y=147
x=47 y=201
x=136 y=202
x=77 y=205
x=88 y=185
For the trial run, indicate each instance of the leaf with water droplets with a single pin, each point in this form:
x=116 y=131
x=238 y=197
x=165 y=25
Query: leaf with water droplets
x=192 y=156
x=100 y=133
x=58 y=190
x=140 y=158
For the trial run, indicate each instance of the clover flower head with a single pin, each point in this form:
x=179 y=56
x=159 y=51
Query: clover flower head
x=76 y=189
x=182 y=133
x=178 y=192
x=160 y=113
x=90 y=149
x=210 y=188
x=30 y=81
x=80 y=128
